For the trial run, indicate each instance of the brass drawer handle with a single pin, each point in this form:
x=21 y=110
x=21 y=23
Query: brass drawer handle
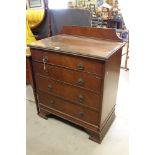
x=81 y=114
x=80 y=82
x=80 y=98
x=45 y=59
x=52 y=101
x=50 y=87
x=80 y=67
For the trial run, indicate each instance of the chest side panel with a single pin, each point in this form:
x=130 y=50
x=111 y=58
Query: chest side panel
x=110 y=87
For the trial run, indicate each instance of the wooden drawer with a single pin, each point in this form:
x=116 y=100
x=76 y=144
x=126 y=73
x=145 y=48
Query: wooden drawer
x=69 y=92
x=67 y=108
x=77 y=78
x=69 y=61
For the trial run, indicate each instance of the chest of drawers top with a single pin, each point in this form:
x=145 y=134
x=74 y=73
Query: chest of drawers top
x=82 y=41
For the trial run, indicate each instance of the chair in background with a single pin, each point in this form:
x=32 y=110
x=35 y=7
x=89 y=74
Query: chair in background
x=69 y=17
x=126 y=54
x=43 y=30
x=124 y=34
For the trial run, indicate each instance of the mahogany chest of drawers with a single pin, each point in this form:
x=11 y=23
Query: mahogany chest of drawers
x=75 y=77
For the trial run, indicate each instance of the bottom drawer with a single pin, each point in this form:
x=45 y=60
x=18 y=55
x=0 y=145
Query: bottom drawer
x=67 y=107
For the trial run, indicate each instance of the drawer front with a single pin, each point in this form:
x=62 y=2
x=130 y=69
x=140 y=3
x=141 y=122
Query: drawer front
x=76 y=78
x=67 y=108
x=69 y=61
x=69 y=92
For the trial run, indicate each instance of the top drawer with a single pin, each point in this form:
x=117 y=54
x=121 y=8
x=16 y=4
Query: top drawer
x=69 y=61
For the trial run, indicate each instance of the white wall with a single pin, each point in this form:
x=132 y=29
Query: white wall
x=58 y=4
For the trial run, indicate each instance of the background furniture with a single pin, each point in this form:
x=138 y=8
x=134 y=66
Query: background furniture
x=37 y=18
x=28 y=67
x=126 y=53
x=115 y=23
x=124 y=35
x=68 y=17
x=76 y=77
x=43 y=30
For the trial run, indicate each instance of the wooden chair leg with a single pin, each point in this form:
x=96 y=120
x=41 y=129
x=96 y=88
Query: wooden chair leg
x=126 y=59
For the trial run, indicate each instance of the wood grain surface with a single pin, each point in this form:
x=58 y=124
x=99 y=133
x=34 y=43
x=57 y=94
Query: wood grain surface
x=79 y=45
